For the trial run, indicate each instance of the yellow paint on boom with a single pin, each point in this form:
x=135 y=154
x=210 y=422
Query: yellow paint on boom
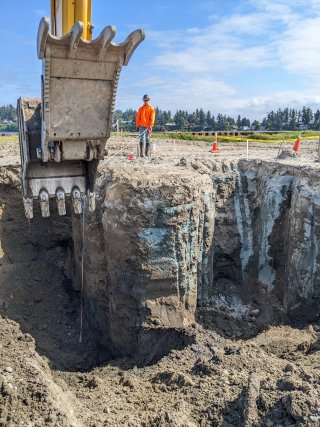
x=83 y=14
x=72 y=11
x=67 y=16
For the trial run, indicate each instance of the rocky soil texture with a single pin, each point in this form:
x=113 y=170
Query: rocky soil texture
x=201 y=294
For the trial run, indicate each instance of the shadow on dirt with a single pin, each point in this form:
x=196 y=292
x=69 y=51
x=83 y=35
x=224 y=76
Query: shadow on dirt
x=37 y=271
x=235 y=304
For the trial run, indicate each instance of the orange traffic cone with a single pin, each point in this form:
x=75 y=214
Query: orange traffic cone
x=215 y=148
x=297 y=147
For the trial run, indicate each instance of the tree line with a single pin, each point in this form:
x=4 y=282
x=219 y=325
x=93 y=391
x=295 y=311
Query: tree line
x=8 y=118
x=283 y=119
x=8 y=112
x=183 y=120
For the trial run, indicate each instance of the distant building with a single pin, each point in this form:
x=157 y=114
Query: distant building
x=303 y=127
x=170 y=125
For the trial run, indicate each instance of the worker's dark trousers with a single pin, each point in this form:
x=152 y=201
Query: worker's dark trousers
x=144 y=139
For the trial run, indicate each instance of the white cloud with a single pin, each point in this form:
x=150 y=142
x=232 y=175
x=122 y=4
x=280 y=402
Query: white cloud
x=210 y=94
x=282 y=10
x=229 y=57
x=299 y=50
x=257 y=107
x=174 y=93
x=193 y=67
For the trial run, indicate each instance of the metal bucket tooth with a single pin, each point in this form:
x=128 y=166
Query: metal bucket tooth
x=76 y=201
x=91 y=201
x=61 y=201
x=28 y=207
x=104 y=41
x=44 y=203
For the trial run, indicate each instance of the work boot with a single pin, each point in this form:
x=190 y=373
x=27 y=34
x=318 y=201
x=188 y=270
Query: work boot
x=147 y=150
x=141 y=150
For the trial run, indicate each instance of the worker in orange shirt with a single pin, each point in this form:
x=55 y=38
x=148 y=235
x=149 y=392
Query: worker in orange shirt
x=144 y=121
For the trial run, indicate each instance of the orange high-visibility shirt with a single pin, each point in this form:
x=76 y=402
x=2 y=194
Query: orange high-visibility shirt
x=145 y=116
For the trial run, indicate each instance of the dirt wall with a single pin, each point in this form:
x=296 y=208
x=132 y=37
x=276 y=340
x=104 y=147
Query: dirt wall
x=240 y=237
x=151 y=240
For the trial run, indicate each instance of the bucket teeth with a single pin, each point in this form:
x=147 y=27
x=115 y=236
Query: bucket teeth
x=75 y=36
x=105 y=40
x=60 y=148
x=28 y=207
x=91 y=201
x=76 y=201
x=44 y=203
x=61 y=201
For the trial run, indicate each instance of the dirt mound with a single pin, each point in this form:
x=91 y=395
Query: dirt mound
x=203 y=384
x=288 y=154
x=28 y=393
x=198 y=378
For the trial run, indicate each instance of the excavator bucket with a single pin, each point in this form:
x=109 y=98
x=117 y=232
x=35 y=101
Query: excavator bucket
x=63 y=135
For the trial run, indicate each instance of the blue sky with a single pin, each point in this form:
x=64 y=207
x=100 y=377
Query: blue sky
x=229 y=56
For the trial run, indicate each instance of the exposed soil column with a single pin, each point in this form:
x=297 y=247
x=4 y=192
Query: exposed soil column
x=303 y=246
x=158 y=226
x=284 y=229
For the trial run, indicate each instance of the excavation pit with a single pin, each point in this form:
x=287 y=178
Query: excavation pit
x=197 y=272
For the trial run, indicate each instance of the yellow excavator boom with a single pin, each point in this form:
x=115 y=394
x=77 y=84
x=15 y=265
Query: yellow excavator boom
x=64 y=13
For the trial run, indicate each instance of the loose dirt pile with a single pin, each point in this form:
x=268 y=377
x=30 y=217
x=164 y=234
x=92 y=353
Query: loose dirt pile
x=288 y=154
x=272 y=380
x=48 y=378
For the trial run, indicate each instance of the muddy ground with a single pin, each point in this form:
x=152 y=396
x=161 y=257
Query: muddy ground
x=48 y=378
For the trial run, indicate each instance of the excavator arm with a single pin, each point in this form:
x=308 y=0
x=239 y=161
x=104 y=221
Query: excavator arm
x=63 y=135
x=64 y=13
